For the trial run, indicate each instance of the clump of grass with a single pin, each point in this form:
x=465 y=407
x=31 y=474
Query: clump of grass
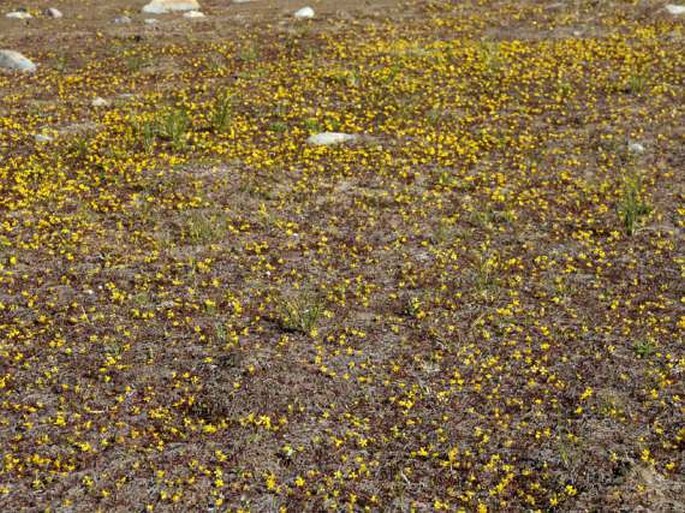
x=173 y=127
x=643 y=348
x=148 y=134
x=278 y=127
x=203 y=228
x=221 y=113
x=300 y=314
x=435 y=117
x=79 y=147
x=414 y=308
x=61 y=64
x=312 y=125
x=221 y=333
x=170 y=126
x=136 y=62
x=249 y=53
x=632 y=208
x=490 y=54
x=635 y=84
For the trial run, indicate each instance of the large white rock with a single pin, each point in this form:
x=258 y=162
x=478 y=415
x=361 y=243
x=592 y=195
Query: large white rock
x=18 y=15
x=330 y=138
x=675 y=9
x=194 y=14
x=304 y=14
x=11 y=60
x=166 y=6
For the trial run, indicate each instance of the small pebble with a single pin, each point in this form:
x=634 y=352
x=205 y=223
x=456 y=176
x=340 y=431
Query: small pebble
x=194 y=14
x=52 y=12
x=99 y=102
x=636 y=147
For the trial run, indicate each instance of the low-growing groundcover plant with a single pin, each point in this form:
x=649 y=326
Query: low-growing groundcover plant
x=477 y=306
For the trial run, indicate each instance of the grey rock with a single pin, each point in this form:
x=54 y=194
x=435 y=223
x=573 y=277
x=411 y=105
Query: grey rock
x=11 y=60
x=122 y=20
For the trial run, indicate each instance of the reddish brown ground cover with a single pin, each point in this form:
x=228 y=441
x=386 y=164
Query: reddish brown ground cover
x=479 y=305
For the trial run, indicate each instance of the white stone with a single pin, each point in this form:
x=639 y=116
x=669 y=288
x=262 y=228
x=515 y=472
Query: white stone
x=53 y=13
x=122 y=20
x=19 y=15
x=166 y=6
x=675 y=9
x=636 y=147
x=99 y=102
x=329 y=138
x=194 y=14
x=151 y=21
x=42 y=138
x=305 y=13
x=9 y=59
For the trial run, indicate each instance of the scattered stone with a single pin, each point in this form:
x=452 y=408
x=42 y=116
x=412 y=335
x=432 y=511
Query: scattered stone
x=99 y=102
x=77 y=129
x=11 y=60
x=194 y=14
x=330 y=138
x=167 y=6
x=52 y=12
x=675 y=9
x=122 y=20
x=42 y=138
x=151 y=21
x=636 y=147
x=19 y=15
x=305 y=13
x=242 y=1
